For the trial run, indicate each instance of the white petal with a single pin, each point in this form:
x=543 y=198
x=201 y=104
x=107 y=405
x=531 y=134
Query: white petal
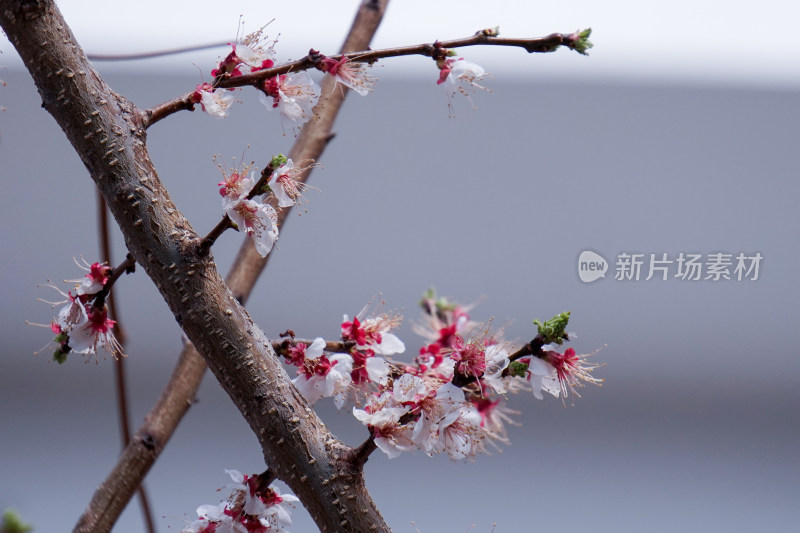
x=389 y=345
x=236 y=476
x=315 y=350
x=377 y=370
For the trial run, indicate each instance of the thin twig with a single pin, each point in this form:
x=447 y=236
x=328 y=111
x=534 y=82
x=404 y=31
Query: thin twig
x=546 y=44
x=282 y=347
x=265 y=479
x=149 y=55
x=208 y=241
x=360 y=455
x=119 y=362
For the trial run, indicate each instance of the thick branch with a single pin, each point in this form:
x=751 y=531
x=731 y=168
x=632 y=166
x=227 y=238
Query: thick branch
x=108 y=133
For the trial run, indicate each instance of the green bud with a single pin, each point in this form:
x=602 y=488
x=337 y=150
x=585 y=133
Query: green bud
x=60 y=356
x=443 y=305
x=430 y=294
x=12 y=523
x=278 y=160
x=581 y=44
x=518 y=369
x=552 y=331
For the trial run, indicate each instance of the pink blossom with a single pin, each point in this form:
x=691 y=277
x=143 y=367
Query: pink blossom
x=382 y=415
x=248 y=509
x=572 y=370
x=542 y=377
x=96 y=332
x=320 y=376
x=95 y=280
x=235 y=187
x=285 y=184
x=497 y=360
x=447 y=423
x=215 y=102
x=253 y=503
x=294 y=95
x=349 y=74
x=368 y=368
x=461 y=77
x=469 y=357
x=458 y=431
x=353 y=331
x=378 y=337
x=71 y=315
x=258 y=220
x=253 y=53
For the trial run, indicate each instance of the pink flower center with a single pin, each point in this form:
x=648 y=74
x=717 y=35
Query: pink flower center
x=231 y=185
x=319 y=366
x=359 y=373
x=470 y=359
x=352 y=331
x=99 y=321
x=253 y=225
x=563 y=363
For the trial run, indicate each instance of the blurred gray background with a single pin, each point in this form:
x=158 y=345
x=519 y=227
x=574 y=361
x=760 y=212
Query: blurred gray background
x=696 y=425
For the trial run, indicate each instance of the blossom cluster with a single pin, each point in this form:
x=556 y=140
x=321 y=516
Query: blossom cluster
x=82 y=324
x=451 y=398
x=247 y=207
x=248 y=509
x=295 y=94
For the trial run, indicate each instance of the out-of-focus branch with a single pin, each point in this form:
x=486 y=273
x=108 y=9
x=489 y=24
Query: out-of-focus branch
x=150 y=55
x=119 y=362
x=113 y=495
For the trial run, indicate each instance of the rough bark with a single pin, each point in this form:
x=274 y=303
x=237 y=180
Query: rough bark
x=107 y=132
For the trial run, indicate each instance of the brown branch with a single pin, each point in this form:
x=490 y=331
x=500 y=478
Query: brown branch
x=208 y=241
x=168 y=108
x=119 y=362
x=265 y=479
x=128 y=266
x=361 y=454
x=546 y=44
x=112 y=496
x=283 y=347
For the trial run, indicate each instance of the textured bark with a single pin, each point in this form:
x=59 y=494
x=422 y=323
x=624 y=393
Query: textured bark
x=107 y=132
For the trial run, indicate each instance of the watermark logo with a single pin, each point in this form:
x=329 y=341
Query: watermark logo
x=591 y=266
x=683 y=266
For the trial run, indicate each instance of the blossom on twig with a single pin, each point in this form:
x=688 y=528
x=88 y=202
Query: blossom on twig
x=215 y=102
x=349 y=73
x=294 y=95
x=248 y=509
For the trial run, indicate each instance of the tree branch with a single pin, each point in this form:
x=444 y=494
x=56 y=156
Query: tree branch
x=577 y=41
